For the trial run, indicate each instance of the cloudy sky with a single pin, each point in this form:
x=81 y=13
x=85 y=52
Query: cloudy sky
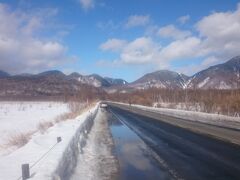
x=117 y=38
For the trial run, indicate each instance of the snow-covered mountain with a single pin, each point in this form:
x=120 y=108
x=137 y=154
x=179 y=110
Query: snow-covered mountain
x=93 y=80
x=161 y=79
x=96 y=80
x=46 y=84
x=51 y=83
x=222 y=76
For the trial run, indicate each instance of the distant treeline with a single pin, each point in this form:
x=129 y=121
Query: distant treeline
x=212 y=100
x=63 y=93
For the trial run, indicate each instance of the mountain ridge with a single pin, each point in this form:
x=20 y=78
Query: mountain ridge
x=221 y=76
x=161 y=79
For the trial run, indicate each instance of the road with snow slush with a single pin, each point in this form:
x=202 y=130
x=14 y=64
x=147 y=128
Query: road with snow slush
x=147 y=148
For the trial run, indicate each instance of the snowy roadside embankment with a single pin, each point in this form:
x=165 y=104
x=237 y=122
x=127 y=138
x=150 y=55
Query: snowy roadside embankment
x=60 y=160
x=24 y=117
x=70 y=155
x=96 y=161
x=213 y=119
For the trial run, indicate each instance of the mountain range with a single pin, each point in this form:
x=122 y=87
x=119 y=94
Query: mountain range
x=221 y=76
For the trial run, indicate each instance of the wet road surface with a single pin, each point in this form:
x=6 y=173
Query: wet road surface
x=177 y=153
x=134 y=157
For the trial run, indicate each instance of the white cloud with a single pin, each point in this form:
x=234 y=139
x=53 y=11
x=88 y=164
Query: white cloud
x=20 y=48
x=216 y=39
x=137 y=20
x=144 y=50
x=113 y=45
x=193 y=68
x=209 y=61
x=220 y=39
x=221 y=33
x=221 y=25
x=183 y=19
x=171 y=31
x=179 y=49
x=87 y=4
x=141 y=50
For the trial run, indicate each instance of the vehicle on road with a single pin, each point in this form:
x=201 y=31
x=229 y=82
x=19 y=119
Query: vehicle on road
x=103 y=105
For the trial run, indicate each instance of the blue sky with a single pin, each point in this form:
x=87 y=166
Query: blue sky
x=121 y=39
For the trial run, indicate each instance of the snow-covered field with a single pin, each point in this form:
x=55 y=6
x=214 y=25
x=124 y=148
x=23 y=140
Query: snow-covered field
x=61 y=158
x=24 y=117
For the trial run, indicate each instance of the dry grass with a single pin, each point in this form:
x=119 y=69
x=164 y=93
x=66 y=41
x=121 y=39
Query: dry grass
x=226 y=102
x=76 y=109
x=19 y=139
x=43 y=126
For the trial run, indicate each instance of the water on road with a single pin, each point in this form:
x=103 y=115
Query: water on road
x=185 y=154
x=135 y=158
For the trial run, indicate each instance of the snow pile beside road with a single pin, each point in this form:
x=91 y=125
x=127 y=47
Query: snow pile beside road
x=69 y=158
x=59 y=160
x=97 y=154
x=214 y=119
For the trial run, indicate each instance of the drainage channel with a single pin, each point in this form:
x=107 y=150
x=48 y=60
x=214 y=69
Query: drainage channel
x=134 y=157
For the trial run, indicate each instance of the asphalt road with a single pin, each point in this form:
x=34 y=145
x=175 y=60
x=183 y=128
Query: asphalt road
x=187 y=155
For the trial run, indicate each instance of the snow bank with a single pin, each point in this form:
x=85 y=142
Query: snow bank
x=70 y=156
x=97 y=154
x=60 y=160
x=213 y=119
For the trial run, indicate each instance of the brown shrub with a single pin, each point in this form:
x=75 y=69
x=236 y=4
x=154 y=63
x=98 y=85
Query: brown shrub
x=76 y=109
x=19 y=139
x=43 y=126
x=211 y=100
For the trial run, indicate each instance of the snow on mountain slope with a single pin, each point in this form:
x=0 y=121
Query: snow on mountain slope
x=221 y=76
x=205 y=81
x=161 y=79
x=96 y=80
